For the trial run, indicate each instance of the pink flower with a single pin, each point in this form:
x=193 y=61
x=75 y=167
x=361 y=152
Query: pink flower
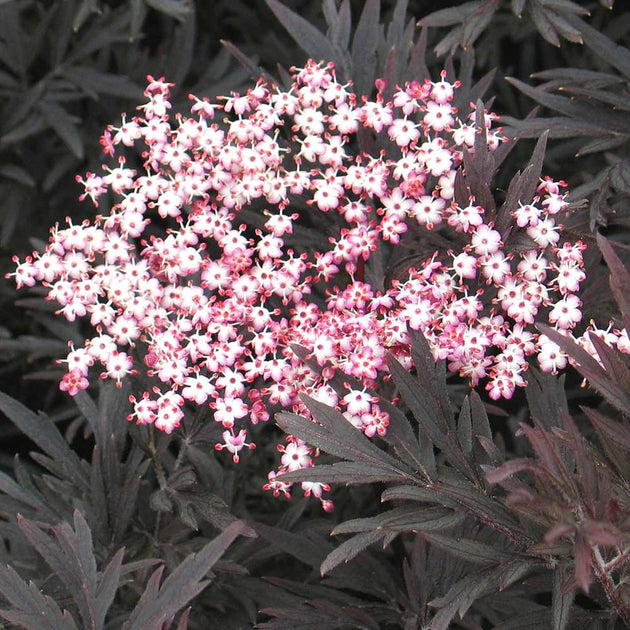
x=73 y=382
x=222 y=311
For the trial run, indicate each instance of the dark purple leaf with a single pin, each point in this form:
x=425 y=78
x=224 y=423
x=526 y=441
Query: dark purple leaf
x=561 y=599
x=349 y=549
x=582 y=570
x=184 y=583
x=451 y=16
x=304 y=33
x=590 y=369
x=606 y=49
x=46 y=435
x=364 y=47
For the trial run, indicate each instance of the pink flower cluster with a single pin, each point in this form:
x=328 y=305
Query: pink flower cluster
x=211 y=306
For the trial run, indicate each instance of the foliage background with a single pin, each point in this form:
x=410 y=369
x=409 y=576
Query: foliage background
x=70 y=67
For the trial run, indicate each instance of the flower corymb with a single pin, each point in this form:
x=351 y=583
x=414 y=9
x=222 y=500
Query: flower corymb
x=258 y=222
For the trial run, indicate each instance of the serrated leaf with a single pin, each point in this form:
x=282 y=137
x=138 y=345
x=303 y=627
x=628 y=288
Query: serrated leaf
x=46 y=435
x=424 y=409
x=485 y=509
x=467 y=549
x=606 y=49
x=340 y=24
x=70 y=555
x=108 y=585
x=451 y=16
x=417 y=493
x=178 y=9
x=509 y=469
x=310 y=39
x=364 y=47
x=565 y=6
x=32 y=609
x=401 y=436
x=349 y=549
x=33 y=124
x=18 y=174
x=93 y=80
x=64 y=125
x=543 y=24
x=619 y=279
x=612 y=430
x=590 y=369
x=564 y=28
x=184 y=583
x=558 y=127
x=336 y=436
x=517 y=7
x=618 y=101
x=608 y=119
x=464 y=428
x=476 y=24
x=109 y=29
x=349 y=473
x=619 y=176
x=298 y=545
x=466 y=591
x=180 y=57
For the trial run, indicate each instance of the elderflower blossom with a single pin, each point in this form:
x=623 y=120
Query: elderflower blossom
x=216 y=306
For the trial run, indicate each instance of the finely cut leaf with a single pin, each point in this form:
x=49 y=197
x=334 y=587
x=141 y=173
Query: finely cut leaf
x=469 y=550
x=183 y=584
x=299 y=546
x=364 y=47
x=590 y=369
x=451 y=16
x=46 y=435
x=178 y=9
x=610 y=52
x=32 y=609
x=304 y=33
x=350 y=473
x=349 y=549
